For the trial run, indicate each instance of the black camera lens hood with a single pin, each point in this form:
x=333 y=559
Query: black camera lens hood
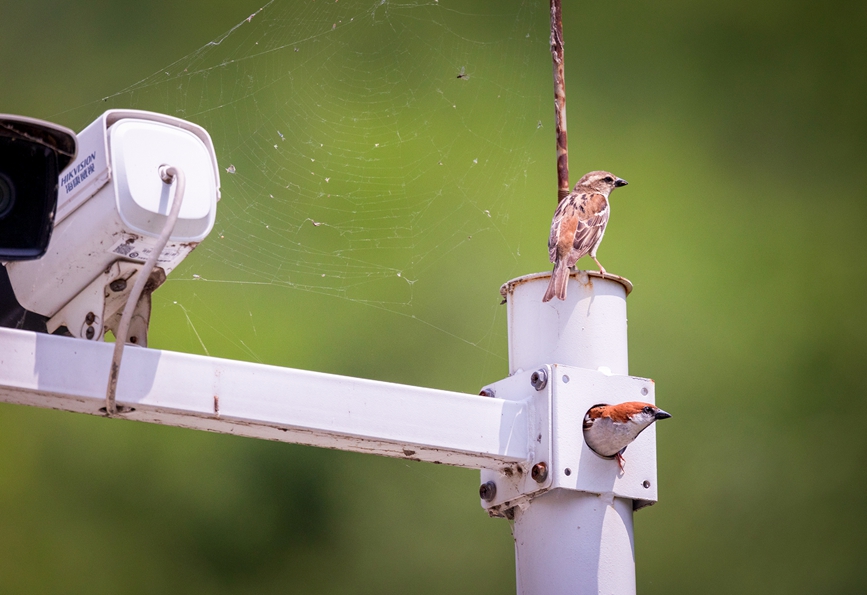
x=58 y=138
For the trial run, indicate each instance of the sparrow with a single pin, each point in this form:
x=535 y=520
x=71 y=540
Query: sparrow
x=578 y=226
x=609 y=429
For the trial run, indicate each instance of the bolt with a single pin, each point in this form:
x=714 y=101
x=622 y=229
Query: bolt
x=567 y=471
x=539 y=379
x=539 y=473
x=117 y=285
x=89 y=318
x=487 y=392
x=488 y=491
x=644 y=391
x=565 y=379
x=89 y=333
x=646 y=484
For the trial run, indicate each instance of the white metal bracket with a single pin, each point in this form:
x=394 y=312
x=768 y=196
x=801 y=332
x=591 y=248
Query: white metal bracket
x=511 y=485
x=562 y=459
x=98 y=307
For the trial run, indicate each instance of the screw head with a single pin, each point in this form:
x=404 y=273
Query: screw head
x=539 y=472
x=117 y=285
x=89 y=333
x=646 y=484
x=539 y=379
x=89 y=318
x=488 y=491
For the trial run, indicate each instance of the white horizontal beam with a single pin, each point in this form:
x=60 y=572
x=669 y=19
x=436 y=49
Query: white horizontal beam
x=269 y=402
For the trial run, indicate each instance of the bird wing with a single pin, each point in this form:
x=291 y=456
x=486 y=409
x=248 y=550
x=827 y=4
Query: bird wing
x=563 y=226
x=578 y=224
x=593 y=215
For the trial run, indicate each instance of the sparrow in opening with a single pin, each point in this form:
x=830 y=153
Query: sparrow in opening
x=609 y=429
x=578 y=226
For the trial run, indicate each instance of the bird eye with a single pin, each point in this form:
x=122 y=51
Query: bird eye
x=608 y=179
x=648 y=410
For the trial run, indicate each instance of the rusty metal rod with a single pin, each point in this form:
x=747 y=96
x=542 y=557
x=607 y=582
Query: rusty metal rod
x=559 y=101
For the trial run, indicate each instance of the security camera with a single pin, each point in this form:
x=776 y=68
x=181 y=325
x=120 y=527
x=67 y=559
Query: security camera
x=113 y=204
x=32 y=153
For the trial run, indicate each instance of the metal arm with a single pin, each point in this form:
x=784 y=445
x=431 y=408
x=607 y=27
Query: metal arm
x=268 y=402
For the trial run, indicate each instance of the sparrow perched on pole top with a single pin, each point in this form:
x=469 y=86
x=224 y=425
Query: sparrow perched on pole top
x=609 y=429
x=578 y=226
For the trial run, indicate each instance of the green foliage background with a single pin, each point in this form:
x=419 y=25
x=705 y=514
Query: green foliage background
x=742 y=129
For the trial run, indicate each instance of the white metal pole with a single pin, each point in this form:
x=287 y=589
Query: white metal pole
x=568 y=541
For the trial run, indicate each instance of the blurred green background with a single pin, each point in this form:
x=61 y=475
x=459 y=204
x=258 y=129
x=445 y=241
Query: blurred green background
x=742 y=129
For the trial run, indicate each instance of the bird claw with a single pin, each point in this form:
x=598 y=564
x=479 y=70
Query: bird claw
x=599 y=264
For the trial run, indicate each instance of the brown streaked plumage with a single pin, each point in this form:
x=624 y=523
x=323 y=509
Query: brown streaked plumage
x=609 y=429
x=578 y=226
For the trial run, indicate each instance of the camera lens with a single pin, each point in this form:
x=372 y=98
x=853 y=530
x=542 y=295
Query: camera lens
x=28 y=197
x=7 y=195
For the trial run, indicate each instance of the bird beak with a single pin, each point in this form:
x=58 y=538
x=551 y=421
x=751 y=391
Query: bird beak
x=620 y=182
x=662 y=414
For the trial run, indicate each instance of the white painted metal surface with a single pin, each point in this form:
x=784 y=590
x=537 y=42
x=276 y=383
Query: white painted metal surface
x=560 y=445
x=587 y=330
x=268 y=402
x=514 y=483
x=568 y=540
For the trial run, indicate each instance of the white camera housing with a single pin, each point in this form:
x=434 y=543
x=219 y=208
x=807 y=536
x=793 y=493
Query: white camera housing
x=112 y=206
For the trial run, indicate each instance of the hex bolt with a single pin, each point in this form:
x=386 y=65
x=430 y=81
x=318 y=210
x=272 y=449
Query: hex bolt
x=539 y=473
x=117 y=285
x=487 y=392
x=89 y=318
x=89 y=333
x=539 y=379
x=488 y=491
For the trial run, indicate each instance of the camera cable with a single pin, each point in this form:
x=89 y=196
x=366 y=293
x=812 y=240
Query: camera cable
x=168 y=174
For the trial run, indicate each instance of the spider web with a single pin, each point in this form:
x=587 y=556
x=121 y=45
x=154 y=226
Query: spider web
x=377 y=153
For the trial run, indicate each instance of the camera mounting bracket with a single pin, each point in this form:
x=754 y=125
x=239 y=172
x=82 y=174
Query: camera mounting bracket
x=98 y=307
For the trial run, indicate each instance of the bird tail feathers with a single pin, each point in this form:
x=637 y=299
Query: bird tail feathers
x=557 y=285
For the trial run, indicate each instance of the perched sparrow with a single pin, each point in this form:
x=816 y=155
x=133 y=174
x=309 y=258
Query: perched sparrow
x=578 y=226
x=609 y=429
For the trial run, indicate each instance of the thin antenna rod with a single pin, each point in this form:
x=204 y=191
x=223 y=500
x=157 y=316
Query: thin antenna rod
x=559 y=101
